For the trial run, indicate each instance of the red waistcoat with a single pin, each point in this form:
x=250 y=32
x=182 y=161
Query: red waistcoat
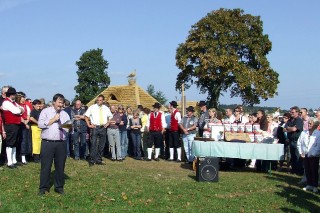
x=25 y=113
x=174 y=126
x=9 y=117
x=155 y=122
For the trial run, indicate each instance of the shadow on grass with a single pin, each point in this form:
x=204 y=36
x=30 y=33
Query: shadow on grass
x=193 y=177
x=186 y=166
x=294 y=194
x=290 y=179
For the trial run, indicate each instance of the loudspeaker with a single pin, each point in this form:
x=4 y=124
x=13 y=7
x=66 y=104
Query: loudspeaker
x=207 y=169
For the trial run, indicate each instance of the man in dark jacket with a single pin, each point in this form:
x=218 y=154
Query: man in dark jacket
x=79 y=131
x=294 y=129
x=203 y=118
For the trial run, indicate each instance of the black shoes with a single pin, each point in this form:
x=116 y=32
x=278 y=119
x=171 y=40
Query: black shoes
x=157 y=159
x=12 y=166
x=43 y=192
x=59 y=191
x=91 y=163
x=100 y=163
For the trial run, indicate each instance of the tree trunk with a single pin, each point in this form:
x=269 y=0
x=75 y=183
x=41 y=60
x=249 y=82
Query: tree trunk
x=213 y=96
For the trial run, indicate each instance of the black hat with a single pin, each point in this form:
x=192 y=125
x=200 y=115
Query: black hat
x=22 y=94
x=190 y=109
x=156 y=105
x=202 y=103
x=11 y=91
x=173 y=103
x=36 y=101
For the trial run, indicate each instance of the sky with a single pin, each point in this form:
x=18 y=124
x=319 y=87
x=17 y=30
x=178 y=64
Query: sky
x=41 y=40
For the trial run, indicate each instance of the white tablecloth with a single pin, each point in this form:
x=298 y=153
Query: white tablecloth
x=238 y=150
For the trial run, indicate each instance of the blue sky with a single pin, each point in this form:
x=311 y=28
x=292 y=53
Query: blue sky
x=41 y=40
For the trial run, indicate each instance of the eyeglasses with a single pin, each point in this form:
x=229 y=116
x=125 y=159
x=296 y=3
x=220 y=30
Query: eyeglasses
x=292 y=112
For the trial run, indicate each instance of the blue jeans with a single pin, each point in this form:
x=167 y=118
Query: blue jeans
x=187 y=142
x=25 y=148
x=136 y=140
x=124 y=143
x=79 y=146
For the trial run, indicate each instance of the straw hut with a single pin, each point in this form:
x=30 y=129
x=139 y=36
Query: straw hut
x=127 y=95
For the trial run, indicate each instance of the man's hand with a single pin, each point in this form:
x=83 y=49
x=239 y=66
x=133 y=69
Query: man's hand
x=185 y=131
x=56 y=117
x=91 y=126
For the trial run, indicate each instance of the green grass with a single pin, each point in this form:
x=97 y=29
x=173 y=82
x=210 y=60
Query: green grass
x=140 y=186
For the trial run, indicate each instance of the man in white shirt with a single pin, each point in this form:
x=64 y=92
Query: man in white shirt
x=229 y=116
x=97 y=118
x=12 y=118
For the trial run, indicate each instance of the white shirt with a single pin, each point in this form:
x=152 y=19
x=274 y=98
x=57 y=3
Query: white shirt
x=9 y=106
x=230 y=119
x=28 y=110
x=93 y=112
x=177 y=116
x=309 y=144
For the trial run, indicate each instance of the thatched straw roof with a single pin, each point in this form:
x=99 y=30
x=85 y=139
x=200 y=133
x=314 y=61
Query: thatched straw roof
x=127 y=95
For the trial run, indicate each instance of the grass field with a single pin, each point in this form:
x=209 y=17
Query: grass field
x=139 y=186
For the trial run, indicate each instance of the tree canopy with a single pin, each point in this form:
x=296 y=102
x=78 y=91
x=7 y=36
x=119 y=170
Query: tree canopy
x=158 y=95
x=227 y=51
x=92 y=75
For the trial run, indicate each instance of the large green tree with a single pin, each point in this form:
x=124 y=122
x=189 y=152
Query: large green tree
x=158 y=95
x=92 y=75
x=227 y=50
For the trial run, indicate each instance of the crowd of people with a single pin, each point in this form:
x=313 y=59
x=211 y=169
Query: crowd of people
x=33 y=131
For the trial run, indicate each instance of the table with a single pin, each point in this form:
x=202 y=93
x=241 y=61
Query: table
x=259 y=151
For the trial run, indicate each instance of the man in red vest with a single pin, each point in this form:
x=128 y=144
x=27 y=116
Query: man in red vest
x=174 y=140
x=157 y=125
x=12 y=118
